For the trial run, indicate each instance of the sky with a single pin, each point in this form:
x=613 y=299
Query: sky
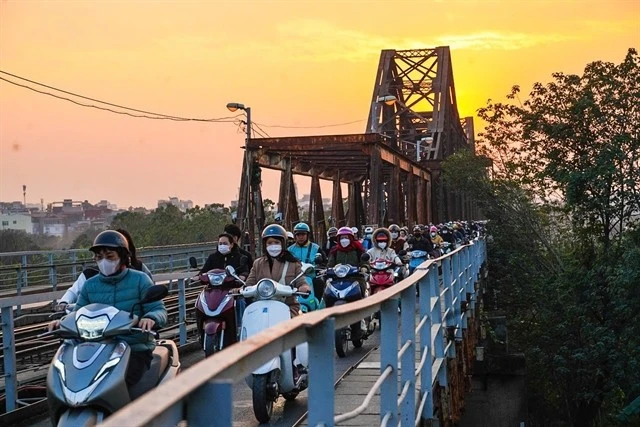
x=295 y=63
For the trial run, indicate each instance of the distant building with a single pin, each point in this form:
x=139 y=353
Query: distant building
x=16 y=221
x=183 y=205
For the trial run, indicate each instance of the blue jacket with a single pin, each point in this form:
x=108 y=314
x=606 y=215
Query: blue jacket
x=306 y=253
x=123 y=291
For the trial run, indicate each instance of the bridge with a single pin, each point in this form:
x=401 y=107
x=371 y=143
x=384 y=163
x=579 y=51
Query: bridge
x=393 y=172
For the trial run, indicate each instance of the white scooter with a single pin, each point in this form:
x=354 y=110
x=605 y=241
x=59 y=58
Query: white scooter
x=275 y=377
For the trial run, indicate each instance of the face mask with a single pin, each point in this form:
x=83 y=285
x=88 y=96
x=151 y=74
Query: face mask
x=394 y=235
x=345 y=242
x=224 y=249
x=433 y=234
x=107 y=268
x=382 y=245
x=274 y=250
x=368 y=236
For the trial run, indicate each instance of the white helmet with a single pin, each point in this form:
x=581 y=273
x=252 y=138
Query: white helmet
x=368 y=230
x=355 y=230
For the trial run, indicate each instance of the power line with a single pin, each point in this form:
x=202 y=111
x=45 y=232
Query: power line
x=146 y=114
x=310 y=127
x=263 y=131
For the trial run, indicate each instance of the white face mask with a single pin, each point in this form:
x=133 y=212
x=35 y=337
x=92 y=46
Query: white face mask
x=224 y=249
x=433 y=234
x=382 y=245
x=107 y=268
x=345 y=242
x=274 y=250
x=394 y=235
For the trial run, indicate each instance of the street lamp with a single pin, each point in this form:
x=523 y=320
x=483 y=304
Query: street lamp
x=387 y=99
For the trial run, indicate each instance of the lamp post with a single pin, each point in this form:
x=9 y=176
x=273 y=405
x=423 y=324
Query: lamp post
x=233 y=107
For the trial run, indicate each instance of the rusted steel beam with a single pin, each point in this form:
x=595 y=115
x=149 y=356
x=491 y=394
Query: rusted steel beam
x=420 y=202
x=394 y=197
x=410 y=193
x=329 y=141
x=330 y=173
x=316 y=212
x=337 y=207
x=375 y=186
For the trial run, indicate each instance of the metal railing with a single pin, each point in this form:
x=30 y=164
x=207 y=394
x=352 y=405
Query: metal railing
x=20 y=270
x=445 y=301
x=8 y=336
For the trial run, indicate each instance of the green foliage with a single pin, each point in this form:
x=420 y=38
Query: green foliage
x=170 y=226
x=16 y=240
x=565 y=264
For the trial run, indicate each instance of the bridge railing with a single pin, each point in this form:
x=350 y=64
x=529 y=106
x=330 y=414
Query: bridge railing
x=20 y=270
x=203 y=395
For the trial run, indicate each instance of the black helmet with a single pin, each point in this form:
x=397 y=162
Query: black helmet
x=110 y=239
x=274 y=230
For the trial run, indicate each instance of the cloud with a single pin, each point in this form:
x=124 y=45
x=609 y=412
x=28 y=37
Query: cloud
x=501 y=41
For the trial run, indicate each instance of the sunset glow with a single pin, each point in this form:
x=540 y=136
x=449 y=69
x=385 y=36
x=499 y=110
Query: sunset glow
x=296 y=63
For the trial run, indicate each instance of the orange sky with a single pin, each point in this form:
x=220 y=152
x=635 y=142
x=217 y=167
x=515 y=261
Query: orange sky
x=296 y=63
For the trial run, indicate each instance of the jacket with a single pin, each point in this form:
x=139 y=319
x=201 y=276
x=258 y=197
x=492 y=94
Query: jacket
x=386 y=254
x=122 y=291
x=307 y=254
x=234 y=258
x=261 y=270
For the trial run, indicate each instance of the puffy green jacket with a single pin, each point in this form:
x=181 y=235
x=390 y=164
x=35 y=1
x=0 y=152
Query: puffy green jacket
x=122 y=291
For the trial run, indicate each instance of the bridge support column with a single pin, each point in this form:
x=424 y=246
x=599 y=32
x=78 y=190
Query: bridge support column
x=211 y=405
x=337 y=206
x=287 y=202
x=410 y=190
x=321 y=373
x=316 y=212
x=375 y=186
x=9 y=351
x=408 y=325
x=389 y=358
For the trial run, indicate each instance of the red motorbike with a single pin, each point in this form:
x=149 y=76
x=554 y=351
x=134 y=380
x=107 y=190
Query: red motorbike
x=217 y=314
x=382 y=275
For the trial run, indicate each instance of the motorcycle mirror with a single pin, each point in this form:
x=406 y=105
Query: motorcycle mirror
x=319 y=258
x=193 y=263
x=365 y=257
x=307 y=269
x=230 y=270
x=155 y=293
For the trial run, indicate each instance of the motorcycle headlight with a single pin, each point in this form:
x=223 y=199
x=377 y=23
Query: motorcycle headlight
x=341 y=270
x=92 y=327
x=379 y=265
x=266 y=289
x=216 y=279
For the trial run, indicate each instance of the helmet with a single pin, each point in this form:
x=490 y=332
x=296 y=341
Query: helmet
x=381 y=234
x=301 y=227
x=393 y=228
x=434 y=229
x=368 y=230
x=345 y=231
x=332 y=230
x=110 y=239
x=417 y=229
x=274 y=230
x=354 y=230
x=289 y=235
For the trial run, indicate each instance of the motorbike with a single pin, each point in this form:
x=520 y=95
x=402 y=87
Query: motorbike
x=383 y=275
x=417 y=258
x=445 y=248
x=86 y=379
x=343 y=286
x=216 y=312
x=276 y=376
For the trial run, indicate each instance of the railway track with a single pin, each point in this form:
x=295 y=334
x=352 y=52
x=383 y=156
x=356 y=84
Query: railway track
x=33 y=352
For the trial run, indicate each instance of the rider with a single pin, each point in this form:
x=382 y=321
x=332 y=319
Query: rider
x=418 y=242
x=332 y=240
x=228 y=253
x=382 y=250
x=306 y=251
x=366 y=241
x=235 y=231
x=71 y=295
x=122 y=287
x=436 y=240
x=278 y=264
x=398 y=243
x=347 y=251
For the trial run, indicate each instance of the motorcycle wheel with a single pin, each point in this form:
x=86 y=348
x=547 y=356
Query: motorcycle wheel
x=212 y=344
x=262 y=403
x=357 y=338
x=341 y=343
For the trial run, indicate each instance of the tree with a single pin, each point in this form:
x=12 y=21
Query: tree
x=564 y=183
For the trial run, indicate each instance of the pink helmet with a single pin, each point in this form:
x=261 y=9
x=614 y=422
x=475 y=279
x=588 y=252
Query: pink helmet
x=434 y=229
x=345 y=231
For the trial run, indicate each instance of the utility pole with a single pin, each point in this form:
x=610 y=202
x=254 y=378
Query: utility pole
x=24 y=195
